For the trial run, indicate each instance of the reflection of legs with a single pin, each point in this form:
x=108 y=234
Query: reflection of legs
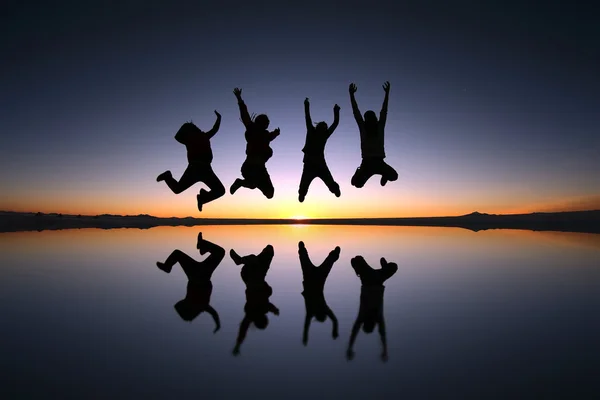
x=387 y=270
x=214 y=184
x=326 y=266
x=188 y=179
x=327 y=178
x=217 y=253
x=177 y=256
x=308 y=174
x=305 y=262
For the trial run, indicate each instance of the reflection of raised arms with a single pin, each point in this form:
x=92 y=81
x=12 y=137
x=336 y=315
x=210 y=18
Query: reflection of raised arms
x=307 y=321
x=357 y=116
x=243 y=109
x=355 y=329
x=242 y=334
x=384 y=354
x=331 y=315
x=384 y=107
x=216 y=126
x=336 y=120
x=309 y=123
x=213 y=313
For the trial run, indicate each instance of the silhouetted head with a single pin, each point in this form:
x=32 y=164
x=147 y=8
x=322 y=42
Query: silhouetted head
x=321 y=127
x=370 y=118
x=320 y=316
x=268 y=251
x=261 y=121
x=369 y=325
x=186 y=311
x=189 y=128
x=261 y=321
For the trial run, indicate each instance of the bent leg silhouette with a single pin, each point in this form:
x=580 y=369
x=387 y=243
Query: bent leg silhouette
x=215 y=185
x=189 y=178
x=327 y=178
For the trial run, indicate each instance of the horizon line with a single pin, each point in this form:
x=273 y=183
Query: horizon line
x=291 y=218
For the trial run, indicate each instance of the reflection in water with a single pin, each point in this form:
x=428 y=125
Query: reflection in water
x=199 y=273
x=370 y=313
x=258 y=291
x=314 y=283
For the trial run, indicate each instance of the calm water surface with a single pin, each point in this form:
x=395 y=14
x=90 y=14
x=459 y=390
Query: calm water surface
x=496 y=314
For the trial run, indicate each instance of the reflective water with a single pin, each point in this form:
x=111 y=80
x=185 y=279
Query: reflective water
x=496 y=314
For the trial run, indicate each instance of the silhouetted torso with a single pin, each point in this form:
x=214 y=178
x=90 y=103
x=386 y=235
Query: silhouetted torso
x=372 y=140
x=314 y=147
x=197 y=144
x=198 y=294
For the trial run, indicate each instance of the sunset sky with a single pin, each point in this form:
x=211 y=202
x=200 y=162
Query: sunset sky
x=492 y=108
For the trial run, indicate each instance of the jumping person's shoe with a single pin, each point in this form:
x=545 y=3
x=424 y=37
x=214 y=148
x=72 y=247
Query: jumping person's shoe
x=384 y=180
x=163 y=267
x=200 y=198
x=235 y=186
x=163 y=176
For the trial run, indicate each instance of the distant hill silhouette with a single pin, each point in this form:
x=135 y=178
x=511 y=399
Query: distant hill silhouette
x=571 y=221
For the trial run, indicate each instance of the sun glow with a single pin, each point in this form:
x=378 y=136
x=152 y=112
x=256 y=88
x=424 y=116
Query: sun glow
x=299 y=217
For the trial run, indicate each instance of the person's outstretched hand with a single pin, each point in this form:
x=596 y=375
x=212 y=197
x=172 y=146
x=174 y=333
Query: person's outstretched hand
x=386 y=87
x=217 y=113
x=236 y=350
x=349 y=354
x=352 y=88
x=276 y=132
x=335 y=334
x=237 y=92
x=336 y=108
x=384 y=356
x=306 y=102
x=217 y=328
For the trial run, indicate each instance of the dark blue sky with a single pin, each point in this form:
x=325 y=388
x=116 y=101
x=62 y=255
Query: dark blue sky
x=492 y=107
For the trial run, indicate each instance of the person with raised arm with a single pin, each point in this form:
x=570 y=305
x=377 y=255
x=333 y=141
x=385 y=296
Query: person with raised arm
x=370 y=313
x=258 y=151
x=315 y=165
x=199 y=169
x=199 y=274
x=258 y=291
x=372 y=135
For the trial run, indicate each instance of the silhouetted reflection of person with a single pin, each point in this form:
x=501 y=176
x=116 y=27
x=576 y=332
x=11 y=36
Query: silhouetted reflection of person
x=258 y=151
x=258 y=291
x=199 y=273
x=372 y=134
x=370 y=313
x=314 y=153
x=199 y=169
x=314 y=284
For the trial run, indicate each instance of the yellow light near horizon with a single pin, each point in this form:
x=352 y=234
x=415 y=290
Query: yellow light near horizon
x=299 y=217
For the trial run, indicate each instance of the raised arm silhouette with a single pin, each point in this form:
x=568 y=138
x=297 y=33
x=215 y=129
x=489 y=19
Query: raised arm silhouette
x=372 y=132
x=314 y=284
x=258 y=151
x=199 y=169
x=314 y=153
x=199 y=273
x=258 y=291
x=370 y=313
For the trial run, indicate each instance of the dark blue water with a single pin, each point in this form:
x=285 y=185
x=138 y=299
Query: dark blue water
x=498 y=314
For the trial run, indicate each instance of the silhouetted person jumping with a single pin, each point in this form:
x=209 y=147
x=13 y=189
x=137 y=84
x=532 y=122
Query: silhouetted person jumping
x=258 y=291
x=372 y=142
x=258 y=151
x=199 y=273
x=314 y=153
x=200 y=156
x=314 y=284
x=370 y=312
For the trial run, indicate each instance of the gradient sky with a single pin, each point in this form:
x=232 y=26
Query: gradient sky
x=492 y=108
